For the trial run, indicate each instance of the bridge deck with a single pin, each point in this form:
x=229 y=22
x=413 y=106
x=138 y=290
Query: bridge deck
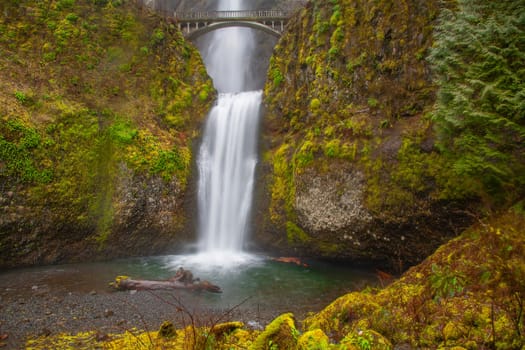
x=218 y=16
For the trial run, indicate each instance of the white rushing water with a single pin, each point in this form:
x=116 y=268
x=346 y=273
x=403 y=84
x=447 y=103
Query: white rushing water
x=226 y=163
x=228 y=154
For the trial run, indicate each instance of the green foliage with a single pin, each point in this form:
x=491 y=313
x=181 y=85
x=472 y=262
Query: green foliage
x=169 y=163
x=21 y=96
x=372 y=102
x=332 y=148
x=479 y=60
x=363 y=343
x=65 y=4
x=445 y=283
x=305 y=154
x=71 y=17
x=356 y=62
x=366 y=339
x=122 y=132
x=17 y=154
x=277 y=77
x=158 y=36
x=336 y=16
x=334 y=51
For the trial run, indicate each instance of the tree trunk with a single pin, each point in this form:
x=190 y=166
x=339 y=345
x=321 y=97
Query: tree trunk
x=182 y=280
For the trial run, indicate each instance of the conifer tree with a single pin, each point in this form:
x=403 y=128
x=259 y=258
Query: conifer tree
x=479 y=64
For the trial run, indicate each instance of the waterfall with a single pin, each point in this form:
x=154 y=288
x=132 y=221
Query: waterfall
x=226 y=164
x=227 y=157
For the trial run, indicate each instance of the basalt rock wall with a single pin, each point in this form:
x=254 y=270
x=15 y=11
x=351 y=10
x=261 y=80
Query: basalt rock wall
x=350 y=170
x=101 y=102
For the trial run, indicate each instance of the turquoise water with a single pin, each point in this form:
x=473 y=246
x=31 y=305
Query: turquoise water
x=257 y=282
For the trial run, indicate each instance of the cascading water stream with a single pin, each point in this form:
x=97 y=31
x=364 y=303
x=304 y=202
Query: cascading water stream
x=227 y=157
x=227 y=162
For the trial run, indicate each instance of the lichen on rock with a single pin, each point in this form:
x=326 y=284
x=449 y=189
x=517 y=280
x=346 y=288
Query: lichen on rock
x=331 y=201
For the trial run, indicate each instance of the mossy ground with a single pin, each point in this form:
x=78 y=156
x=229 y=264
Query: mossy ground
x=470 y=293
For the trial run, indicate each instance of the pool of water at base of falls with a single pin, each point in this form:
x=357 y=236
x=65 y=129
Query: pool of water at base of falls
x=256 y=282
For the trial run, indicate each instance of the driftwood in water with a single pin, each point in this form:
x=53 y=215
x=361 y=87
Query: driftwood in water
x=183 y=279
x=290 y=260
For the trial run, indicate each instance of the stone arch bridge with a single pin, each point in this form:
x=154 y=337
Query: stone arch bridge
x=195 y=24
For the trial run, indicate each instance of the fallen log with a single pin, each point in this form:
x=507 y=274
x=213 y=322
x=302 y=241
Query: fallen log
x=290 y=260
x=182 y=280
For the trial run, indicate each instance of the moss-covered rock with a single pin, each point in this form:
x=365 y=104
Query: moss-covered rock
x=100 y=104
x=350 y=150
x=365 y=339
x=167 y=330
x=278 y=334
x=313 y=340
x=468 y=294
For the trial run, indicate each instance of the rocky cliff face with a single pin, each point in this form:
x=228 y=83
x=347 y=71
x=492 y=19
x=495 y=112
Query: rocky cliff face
x=101 y=103
x=351 y=171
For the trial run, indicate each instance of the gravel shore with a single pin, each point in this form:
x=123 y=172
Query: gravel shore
x=42 y=314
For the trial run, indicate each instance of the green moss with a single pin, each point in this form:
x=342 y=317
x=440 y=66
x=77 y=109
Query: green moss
x=363 y=79
x=305 y=154
x=122 y=132
x=169 y=163
x=282 y=188
x=204 y=94
x=116 y=90
x=295 y=234
x=406 y=312
x=315 y=104
x=372 y=102
x=366 y=340
x=277 y=77
x=332 y=148
x=279 y=334
x=18 y=152
x=328 y=249
x=313 y=340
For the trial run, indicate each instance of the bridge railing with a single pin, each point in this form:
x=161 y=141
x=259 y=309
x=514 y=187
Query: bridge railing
x=229 y=15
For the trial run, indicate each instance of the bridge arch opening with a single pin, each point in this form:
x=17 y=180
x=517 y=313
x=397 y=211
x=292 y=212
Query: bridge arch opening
x=214 y=26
